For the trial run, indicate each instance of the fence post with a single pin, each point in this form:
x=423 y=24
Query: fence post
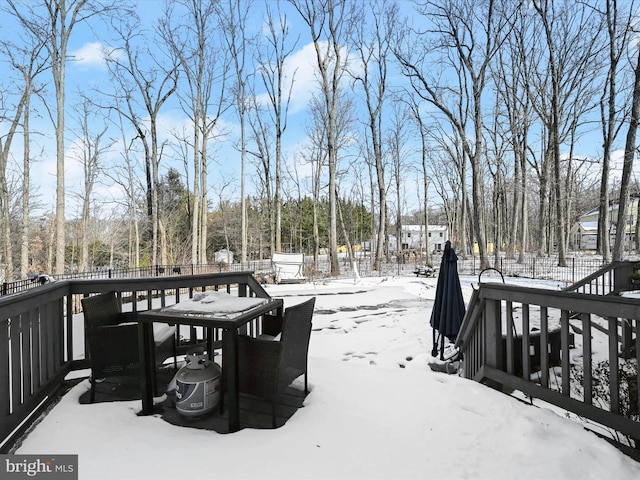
x=533 y=268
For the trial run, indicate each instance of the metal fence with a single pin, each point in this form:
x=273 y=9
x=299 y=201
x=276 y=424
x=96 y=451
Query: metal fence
x=536 y=267
x=541 y=268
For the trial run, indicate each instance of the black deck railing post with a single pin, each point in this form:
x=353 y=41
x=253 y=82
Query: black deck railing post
x=493 y=336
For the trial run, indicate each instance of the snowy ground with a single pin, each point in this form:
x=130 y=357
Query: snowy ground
x=376 y=410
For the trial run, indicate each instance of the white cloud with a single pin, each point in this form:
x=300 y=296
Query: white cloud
x=301 y=69
x=90 y=55
x=303 y=65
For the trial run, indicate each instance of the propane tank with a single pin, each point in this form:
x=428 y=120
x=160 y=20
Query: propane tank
x=197 y=386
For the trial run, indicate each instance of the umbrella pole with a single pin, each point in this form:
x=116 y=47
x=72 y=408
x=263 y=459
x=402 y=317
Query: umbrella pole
x=434 y=351
x=441 y=347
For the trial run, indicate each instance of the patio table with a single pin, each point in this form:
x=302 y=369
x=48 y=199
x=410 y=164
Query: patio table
x=228 y=321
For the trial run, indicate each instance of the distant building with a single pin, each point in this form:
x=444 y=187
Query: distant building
x=414 y=238
x=584 y=234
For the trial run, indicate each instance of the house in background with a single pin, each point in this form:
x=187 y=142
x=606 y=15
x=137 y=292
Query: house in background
x=584 y=233
x=414 y=238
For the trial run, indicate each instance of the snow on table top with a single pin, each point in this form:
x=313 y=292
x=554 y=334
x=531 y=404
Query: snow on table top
x=216 y=303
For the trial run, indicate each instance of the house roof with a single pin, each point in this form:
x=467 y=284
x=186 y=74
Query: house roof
x=421 y=227
x=589 y=227
x=612 y=208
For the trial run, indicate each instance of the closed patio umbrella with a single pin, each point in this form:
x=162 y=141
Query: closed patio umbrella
x=448 y=307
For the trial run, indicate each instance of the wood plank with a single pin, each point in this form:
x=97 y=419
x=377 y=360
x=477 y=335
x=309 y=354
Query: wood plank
x=48 y=367
x=493 y=333
x=565 y=354
x=25 y=337
x=526 y=354
x=544 y=347
x=509 y=334
x=637 y=366
x=587 y=367
x=614 y=377
x=617 y=422
x=5 y=399
x=16 y=363
x=57 y=326
x=600 y=305
x=36 y=349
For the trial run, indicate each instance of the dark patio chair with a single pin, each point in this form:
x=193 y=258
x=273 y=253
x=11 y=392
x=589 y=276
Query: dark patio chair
x=267 y=367
x=113 y=340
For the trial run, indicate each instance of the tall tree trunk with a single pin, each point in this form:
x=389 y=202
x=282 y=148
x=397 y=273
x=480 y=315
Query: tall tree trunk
x=524 y=210
x=331 y=18
x=26 y=181
x=627 y=168
x=6 y=250
x=617 y=38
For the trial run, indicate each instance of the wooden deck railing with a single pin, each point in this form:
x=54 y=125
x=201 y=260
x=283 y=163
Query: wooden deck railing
x=611 y=279
x=501 y=350
x=37 y=334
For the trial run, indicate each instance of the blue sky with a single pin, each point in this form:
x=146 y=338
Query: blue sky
x=88 y=69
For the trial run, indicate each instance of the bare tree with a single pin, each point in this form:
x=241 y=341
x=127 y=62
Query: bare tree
x=328 y=23
x=397 y=139
x=32 y=66
x=195 y=44
x=511 y=77
x=52 y=23
x=371 y=42
x=233 y=24
x=124 y=176
x=568 y=60
x=414 y=108
x=91 y=147
x=316 y=156
x=452 y=182
x=144 y=89
x=499 y=170
x=618 y=25
x=627 y=168
x=468 y=33
x=262 y=136
x=28 y=62
x=272 y=70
